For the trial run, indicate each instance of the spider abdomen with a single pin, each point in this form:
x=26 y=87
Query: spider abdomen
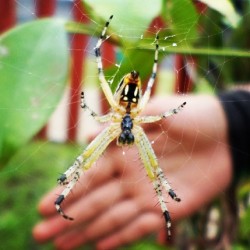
x=126 y=137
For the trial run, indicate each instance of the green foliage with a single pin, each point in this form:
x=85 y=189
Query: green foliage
x=34 y=65
x=235 y=65
x=126 y=14
x=180 y=25
x=225 y=7
x=243 y=197
x=32 y=165
x=146 y=245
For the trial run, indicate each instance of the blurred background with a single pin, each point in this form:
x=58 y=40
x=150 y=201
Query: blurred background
x=47 y=58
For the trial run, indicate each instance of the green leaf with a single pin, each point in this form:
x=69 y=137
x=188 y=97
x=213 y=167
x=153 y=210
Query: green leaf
x=134 y=59
x=33 y=71
x=181 y=19
x=131 y=18
x=226 y=8
x=244 y=223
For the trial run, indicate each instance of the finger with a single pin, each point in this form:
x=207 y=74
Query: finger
x=97 y=201
x=82 y=210
x=162 y=236
x=47 y=229
x=145 y=224
x=108 y=222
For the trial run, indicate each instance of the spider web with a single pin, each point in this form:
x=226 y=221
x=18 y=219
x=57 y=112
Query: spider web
x=162 y=139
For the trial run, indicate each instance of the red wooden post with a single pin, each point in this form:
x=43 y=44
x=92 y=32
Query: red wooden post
x=78 y=44
x=45 y=8
x=183 y=82
x=7 y=14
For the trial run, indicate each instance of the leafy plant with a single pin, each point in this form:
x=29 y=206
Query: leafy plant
x=33 y=73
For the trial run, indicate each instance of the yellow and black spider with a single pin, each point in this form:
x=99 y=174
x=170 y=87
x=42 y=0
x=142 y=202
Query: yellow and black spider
x=126 y=105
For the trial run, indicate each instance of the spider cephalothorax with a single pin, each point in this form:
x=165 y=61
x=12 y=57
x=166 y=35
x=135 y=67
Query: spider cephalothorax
x=128 y=91
x=124 y=125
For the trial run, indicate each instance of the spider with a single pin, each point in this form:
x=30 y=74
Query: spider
x=126 y=105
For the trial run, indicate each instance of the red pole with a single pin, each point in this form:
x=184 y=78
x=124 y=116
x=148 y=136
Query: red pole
x=78 y=45
x=7 y=14
x=45 y=8
x=183 y=82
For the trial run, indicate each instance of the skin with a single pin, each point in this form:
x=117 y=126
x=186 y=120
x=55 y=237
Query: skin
x=115 y=203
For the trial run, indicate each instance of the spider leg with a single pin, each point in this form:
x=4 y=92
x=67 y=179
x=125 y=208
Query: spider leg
x=158 y=190
x=145 y=98
x=65 y=193
x=165 y=184
x=173 y=111
x=154 y=172
x=85 y=159
x=83 y=162
x=103 y=118
x=96 y=147
x=104 y=84
x=154 y=118
x=149 y=161
x=86 y=107
x=65 y=177
x=149 y=158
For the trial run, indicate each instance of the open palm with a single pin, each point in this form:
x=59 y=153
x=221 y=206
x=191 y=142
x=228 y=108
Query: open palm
x=114 y=202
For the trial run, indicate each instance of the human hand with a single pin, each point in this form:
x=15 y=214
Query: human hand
x=114 y=202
